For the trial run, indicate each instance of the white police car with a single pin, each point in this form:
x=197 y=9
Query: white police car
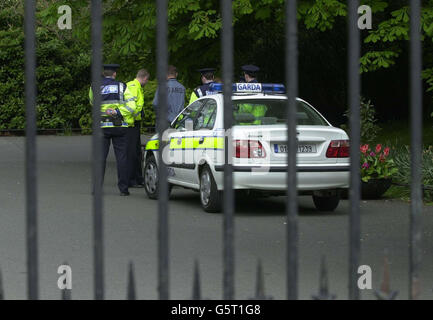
x=195 y=152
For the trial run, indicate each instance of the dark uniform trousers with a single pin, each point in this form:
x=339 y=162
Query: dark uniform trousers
x=135 y=167
x=120 y=145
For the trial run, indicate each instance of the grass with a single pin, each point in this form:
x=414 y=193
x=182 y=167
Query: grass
x=402 y=193
x=398 y=133
x=397 y=192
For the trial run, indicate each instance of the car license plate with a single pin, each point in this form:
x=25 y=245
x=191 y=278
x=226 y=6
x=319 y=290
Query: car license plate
x=302 y=148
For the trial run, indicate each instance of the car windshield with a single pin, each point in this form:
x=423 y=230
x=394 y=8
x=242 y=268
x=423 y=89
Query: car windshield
x=270 y=112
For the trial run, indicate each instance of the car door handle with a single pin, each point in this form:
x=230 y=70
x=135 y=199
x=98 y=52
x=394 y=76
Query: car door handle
x=201 y=140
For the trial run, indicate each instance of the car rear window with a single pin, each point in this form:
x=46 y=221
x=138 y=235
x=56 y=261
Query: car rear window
x=270 y=112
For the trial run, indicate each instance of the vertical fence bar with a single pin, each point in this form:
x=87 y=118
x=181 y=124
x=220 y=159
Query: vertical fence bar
x=196 y=287
x=31 y=130
x=416 y=146
x=292 y=193
x=131 y=295
x=98 y=248
x=162 y=61
x=228 y=233
x=2 y=296
x=355 y=129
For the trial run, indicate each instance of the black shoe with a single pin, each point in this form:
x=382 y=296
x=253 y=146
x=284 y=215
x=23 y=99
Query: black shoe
x=124 y=194
x=137 y=186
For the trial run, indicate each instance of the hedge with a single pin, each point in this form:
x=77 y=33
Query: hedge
x=63 y=80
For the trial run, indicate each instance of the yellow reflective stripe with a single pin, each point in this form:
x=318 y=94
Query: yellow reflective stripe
x=129 y=109
x=194 y=143
x=107 y=102
x=211 y=143
x=176 y=143
x=152 y=145
x=189 y=143
x=105 y=124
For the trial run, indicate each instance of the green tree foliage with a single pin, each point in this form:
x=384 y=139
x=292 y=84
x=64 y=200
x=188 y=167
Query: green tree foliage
x=383 y=44
x=194 y=42
x=62 y=76
x=195 y=25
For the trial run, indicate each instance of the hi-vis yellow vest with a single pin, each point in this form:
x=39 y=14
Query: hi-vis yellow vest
x=134 y=98
x=117 y=102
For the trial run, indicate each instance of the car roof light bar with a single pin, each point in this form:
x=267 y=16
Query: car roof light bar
x=250 y=88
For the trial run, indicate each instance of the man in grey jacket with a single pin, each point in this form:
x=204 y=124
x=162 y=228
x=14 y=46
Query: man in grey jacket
x=175 y=95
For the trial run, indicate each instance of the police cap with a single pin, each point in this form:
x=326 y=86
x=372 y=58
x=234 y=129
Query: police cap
x=112 y=67
x=249 y=68
x=206 y=70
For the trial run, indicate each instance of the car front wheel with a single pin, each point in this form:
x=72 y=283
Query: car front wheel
x=328 y=204
x=151 y=179
x=210 y=197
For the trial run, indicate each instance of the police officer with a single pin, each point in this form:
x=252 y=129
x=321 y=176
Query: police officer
x=134 y=98
x=207 y=77
x=115 y=119
x=250 y=73
x=258 y=111
x=175 y=96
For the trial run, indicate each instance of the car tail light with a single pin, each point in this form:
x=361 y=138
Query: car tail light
x=249 y=149
x=338 y=149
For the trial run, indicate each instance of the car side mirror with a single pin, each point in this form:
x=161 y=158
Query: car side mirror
x=189 y=124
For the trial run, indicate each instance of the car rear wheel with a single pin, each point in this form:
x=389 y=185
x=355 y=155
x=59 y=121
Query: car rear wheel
x=328 y=204
x=151 y=179
x=210 y=197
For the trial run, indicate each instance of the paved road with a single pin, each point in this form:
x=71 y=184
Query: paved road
x=65 y=234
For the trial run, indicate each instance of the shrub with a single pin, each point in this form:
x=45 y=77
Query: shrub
x=62 y=77
x=402 y=161
x=369 y=127
x=149 y=113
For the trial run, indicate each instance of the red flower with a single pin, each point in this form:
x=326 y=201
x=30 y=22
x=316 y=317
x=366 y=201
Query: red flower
x=378 y=148
x=382 y=158
x=364 y=148
x=365 y=165
x=386 y=152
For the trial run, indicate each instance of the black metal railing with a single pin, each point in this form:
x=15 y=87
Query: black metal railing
x=162 y=67
x=31 y=182
x=228 y=226
x=292 y=93
x=355 y=140
x=415 y=250
x=97 y=170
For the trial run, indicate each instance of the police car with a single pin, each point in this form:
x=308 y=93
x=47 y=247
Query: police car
x=195 y=155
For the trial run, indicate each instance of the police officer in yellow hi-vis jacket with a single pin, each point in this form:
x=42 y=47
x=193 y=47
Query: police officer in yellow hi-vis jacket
x=257 y=110
x=207 y=77
x=116 y=117
x=134 y=98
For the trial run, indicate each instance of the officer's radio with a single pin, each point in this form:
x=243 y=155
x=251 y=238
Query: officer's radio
x=117 y=118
